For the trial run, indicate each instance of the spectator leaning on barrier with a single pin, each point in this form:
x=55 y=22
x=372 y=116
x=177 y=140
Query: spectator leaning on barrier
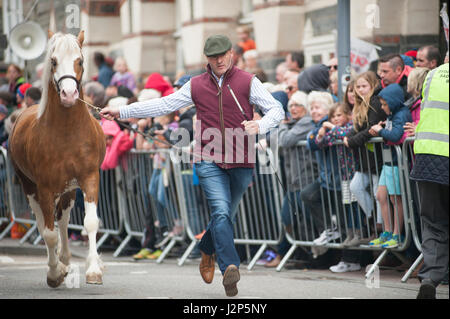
x=391 y=98
x=223 y=183
x=319 y=104
x=117 y=143
x=431 y=171
x=366 y=113
x=299 y=167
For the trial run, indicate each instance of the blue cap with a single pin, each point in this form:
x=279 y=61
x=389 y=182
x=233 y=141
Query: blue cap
x=182 y=80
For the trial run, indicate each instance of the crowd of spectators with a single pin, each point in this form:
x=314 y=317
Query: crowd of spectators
x=379 y=103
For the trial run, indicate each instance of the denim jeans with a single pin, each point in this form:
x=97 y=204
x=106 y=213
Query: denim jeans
x=223 y=189
x=157 y=191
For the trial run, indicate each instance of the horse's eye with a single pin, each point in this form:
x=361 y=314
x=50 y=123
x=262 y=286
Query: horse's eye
x=80 y=63
x=53 y=61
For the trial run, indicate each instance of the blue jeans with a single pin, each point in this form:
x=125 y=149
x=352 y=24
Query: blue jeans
x=223 y=189
x=157 y=191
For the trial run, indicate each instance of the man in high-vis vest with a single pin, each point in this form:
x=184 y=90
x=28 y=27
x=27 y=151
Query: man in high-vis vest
x=431 y=171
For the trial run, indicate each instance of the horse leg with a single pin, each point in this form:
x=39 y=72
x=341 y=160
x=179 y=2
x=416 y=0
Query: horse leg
x=45 y=220
x=94 y=265
x=63 y=216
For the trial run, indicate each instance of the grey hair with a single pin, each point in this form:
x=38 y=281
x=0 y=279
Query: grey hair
x=96 y=91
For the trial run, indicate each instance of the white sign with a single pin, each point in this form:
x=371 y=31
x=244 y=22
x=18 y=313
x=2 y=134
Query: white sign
x=362 y=53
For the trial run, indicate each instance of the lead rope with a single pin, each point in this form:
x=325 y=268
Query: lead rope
x=148 y=136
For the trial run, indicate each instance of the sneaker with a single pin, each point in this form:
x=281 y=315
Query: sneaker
x=142 y=254
x=384 y=237
x=155 y=254
x=391 y=243
x=327 y=236
x=268 y=256
x=345 y=267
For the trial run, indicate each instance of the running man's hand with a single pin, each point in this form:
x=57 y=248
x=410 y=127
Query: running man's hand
x=110 y=112
x=251 y=127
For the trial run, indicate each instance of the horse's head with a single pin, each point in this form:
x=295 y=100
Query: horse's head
x=66 y=66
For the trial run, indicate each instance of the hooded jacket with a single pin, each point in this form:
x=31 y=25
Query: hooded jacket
x=400 y=114
x=393 y=133
x=314 y=78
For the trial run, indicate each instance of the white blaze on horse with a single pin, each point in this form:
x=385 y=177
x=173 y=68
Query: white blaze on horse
x=57 y=147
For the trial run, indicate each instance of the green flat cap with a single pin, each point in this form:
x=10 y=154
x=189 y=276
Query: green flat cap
x=216 y=44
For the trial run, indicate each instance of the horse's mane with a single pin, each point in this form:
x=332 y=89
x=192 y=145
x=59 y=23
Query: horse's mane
x=64 y=42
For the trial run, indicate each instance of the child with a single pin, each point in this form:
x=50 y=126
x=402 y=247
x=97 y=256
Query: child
x=122 y=76
x=330 y=132
x=117 y=141
x=392 y=99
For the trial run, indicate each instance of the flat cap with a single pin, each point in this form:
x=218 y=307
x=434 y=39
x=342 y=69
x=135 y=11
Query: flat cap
x=216 y=44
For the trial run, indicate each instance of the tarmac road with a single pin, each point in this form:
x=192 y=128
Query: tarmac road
x=23 y=276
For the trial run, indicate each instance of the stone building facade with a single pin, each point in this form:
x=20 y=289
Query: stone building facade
x=167 y=36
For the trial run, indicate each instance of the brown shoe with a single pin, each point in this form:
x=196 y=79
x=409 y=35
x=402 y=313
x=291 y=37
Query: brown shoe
x=230 y=279
x=207 y=267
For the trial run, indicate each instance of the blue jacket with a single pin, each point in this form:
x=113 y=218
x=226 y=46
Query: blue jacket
x=326 y=158
x=400 y=114
x=105 y=73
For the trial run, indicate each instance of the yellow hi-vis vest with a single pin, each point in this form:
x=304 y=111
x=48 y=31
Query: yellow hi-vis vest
x=432 y=130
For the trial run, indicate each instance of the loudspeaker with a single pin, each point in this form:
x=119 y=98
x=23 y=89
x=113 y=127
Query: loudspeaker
x=28 y=40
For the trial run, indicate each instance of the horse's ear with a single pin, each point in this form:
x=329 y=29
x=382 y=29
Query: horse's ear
x=81 y=37
x=50 y=33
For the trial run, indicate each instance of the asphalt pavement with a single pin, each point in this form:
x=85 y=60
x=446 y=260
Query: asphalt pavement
x=23 y=276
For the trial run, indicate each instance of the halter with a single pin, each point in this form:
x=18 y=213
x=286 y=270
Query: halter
x=57 y=83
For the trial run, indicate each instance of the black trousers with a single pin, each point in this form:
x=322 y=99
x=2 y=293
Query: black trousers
x=434 y=215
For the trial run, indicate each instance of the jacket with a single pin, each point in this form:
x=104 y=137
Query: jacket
x=393 y=133
x=358 y=137
x=121 y=144
x=327 y=160
x=300 y=167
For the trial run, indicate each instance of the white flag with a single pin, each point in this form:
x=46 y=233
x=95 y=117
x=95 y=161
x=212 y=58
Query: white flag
x=444 y=17
x=362 y=53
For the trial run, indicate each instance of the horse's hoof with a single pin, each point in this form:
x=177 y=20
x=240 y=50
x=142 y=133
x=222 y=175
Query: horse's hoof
x=55 y=283
x=94 y=279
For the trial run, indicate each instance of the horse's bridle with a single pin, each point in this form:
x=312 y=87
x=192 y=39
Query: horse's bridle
x=57 y=83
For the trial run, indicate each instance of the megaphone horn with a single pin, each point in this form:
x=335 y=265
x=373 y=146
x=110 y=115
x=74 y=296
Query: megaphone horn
x=28 y=40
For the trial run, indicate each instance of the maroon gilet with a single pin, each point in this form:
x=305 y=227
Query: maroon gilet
x=219 y=134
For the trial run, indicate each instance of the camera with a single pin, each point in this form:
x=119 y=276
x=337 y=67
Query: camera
x=155 y=127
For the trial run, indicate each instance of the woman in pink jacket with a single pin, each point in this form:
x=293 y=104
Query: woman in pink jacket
x=118 y=142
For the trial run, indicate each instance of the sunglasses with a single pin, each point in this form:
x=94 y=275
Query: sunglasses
x=334 y=67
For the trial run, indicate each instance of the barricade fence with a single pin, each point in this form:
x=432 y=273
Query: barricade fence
x=320 y=206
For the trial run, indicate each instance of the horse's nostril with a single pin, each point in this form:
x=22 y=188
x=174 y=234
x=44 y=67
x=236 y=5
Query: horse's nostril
x=63 y=93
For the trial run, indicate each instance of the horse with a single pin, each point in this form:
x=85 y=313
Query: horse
x=56 y=147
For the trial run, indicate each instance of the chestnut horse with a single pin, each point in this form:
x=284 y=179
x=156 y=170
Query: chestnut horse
x=57 y=147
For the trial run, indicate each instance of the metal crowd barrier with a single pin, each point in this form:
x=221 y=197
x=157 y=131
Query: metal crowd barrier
x=413 y=202
x=4 y=194
x=125 y=202
x=18 y=206
x=111 y=223
x=141 y=208
x=342 y=218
